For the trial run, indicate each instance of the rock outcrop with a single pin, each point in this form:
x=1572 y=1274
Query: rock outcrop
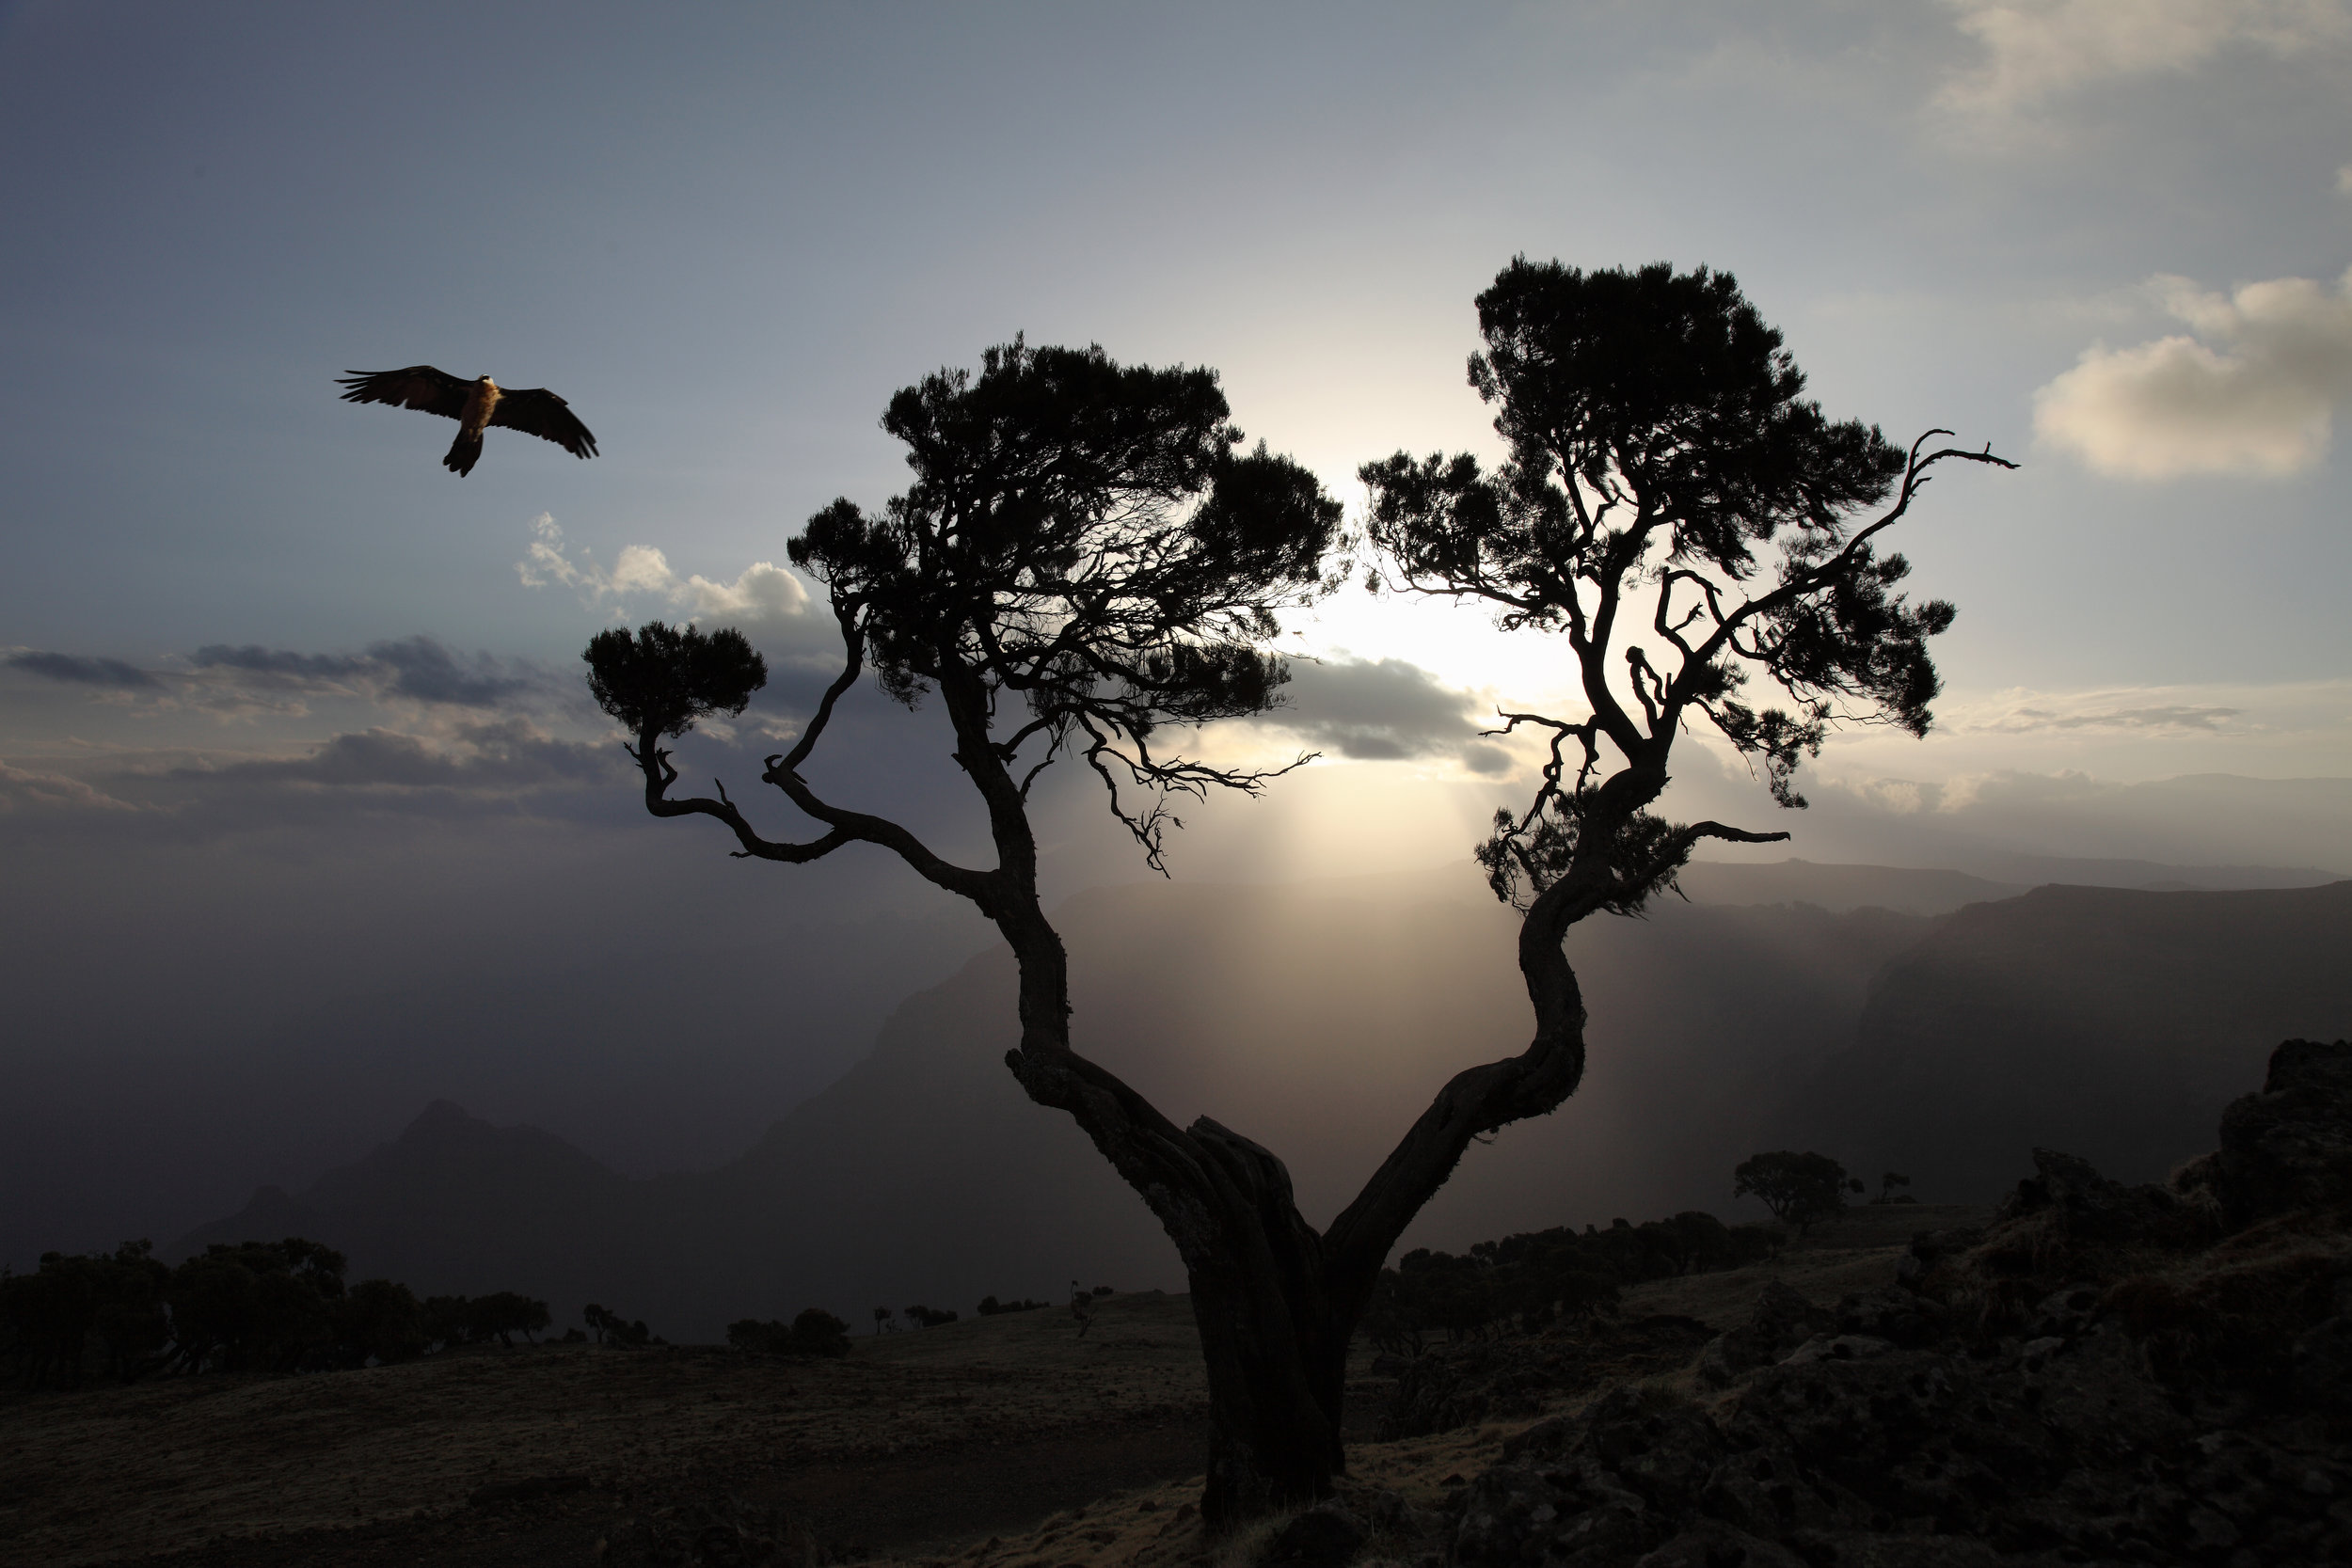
x=2104 y=1374
x=2290 y=1146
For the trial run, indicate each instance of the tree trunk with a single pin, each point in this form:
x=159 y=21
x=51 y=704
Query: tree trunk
x=1273 y=1334
x=1275 y=1351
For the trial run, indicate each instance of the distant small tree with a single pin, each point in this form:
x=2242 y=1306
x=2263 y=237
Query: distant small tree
x=448 y=1320
x=1888 y=1183
x=1801 y=1190
x=930 y=1317
x=611 y=1328
x=85 y=1315
x=504 y=1314
x=257 y=1306
x=818 y=1331
x=381 y=1320
x=768 y=1338
x=882 y=1316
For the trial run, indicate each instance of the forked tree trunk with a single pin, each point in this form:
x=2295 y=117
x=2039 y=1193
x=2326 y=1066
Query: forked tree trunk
x=1275 y=1302
x=1274 y=1349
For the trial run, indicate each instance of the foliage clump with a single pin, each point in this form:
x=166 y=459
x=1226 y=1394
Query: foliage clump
x=813 y=1332
x=661 y=679
x=254 y=1307
x=611 y=1328
x=1530 y=1281
x=1801 y=1190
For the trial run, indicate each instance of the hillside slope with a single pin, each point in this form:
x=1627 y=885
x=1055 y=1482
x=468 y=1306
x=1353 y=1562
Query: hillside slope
x=1320 y=1020
x=2104 y=1022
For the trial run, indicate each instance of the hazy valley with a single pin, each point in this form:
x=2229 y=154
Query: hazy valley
x=1923 y=1021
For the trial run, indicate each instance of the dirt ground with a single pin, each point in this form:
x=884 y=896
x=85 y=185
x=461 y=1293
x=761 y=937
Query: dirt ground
x=1011 y=1441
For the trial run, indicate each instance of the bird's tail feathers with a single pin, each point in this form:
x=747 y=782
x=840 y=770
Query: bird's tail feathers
x=464 y=453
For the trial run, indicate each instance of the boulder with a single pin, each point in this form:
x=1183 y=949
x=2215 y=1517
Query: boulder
x=2290 y=1146
x=1325 y=1536
x=1779 y=1323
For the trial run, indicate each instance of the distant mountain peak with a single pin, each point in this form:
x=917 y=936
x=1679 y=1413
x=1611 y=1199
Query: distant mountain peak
x=443 y=1121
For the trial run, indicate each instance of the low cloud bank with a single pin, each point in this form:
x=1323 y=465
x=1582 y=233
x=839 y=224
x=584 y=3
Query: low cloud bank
x=248 y=680
x=1383 y=710
x=2252 y=388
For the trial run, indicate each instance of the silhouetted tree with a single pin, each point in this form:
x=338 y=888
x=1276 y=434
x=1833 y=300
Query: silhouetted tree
x=502 y=1315
x=930 y=1317
x=258 y=1305
x=611 y=1328
x=1084 y=558
x=818 y=1331
x=814 y=1332
x=382 y=1320
x=1888 y=1183
x=1801 y=1190
x=78 y=1316
x=448 y=1320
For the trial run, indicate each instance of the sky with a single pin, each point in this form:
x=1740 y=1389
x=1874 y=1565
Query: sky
x=290 y=720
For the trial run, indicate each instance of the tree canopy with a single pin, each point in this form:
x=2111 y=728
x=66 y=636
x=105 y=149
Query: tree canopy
x=1663 y=459
x=659 y=681
x=1801 y=1190
x=1085 y=557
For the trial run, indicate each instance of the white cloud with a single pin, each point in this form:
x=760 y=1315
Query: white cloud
x=2036 y=48
x=763 y=595
x=2344 y=181
x=2252 y=391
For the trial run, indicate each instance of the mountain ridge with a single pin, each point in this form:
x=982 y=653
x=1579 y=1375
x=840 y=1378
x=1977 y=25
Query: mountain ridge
x=1317 y=1019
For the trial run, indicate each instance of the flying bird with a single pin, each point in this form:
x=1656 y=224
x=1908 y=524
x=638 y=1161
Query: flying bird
x=474 y=404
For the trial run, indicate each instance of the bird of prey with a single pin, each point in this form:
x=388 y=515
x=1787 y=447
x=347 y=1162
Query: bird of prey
x=474 y=405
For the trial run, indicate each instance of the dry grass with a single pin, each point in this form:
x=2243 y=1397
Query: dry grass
x=974 y=1420
x=1857 y=1252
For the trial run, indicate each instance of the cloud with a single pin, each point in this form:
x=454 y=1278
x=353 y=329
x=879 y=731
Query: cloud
x=428 y=672
x=2168 y=718
x=2038 y=49
x=20 y=790
x=503 y=756
x=417 y=668
x=2261 y=402
x=297 y=669
x=764 y=595
x=112 y=673
x=1383 y=710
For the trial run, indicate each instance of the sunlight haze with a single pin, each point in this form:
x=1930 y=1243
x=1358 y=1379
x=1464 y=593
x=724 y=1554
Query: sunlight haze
x=292 y=726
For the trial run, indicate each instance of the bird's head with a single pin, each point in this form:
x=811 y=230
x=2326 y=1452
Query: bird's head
x=487 y=382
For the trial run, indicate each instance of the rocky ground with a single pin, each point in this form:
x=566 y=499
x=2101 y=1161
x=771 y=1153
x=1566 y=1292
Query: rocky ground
x=918 y=1445
x=2090 y=1374
x=2104 y=1374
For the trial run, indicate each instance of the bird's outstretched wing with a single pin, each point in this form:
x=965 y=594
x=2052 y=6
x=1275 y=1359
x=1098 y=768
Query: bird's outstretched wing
x=419 y=387
x=536 y=411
